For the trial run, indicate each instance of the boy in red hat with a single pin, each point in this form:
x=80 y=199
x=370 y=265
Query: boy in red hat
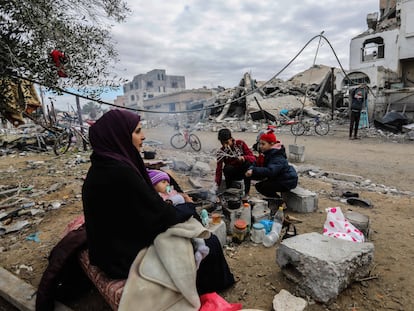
x=273 y=171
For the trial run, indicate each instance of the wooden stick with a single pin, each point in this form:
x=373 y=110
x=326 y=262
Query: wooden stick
x=367 y=278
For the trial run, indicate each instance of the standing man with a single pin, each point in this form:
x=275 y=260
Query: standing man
x=358 y=96
x=233 y=160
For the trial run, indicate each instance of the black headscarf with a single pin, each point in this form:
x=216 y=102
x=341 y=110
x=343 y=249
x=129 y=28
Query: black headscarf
x=111 y=137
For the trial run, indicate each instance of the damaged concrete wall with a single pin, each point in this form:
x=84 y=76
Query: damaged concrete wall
x=276 y=94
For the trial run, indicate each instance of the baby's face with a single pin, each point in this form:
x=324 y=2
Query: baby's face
x=162 y=186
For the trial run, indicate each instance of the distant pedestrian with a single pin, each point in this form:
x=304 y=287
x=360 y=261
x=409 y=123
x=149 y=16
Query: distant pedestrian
x=359 y=96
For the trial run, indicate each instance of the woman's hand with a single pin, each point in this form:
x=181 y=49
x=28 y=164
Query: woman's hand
x=249 y=173
x=241 y=158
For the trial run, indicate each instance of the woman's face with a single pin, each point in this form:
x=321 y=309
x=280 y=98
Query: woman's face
x=138 y=137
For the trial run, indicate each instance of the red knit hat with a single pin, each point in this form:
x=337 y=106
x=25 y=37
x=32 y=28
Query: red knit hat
x=269 y=136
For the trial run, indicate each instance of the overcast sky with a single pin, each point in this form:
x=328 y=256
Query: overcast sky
x=215 y=42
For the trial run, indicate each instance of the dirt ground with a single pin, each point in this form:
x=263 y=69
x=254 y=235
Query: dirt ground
x=380 y=160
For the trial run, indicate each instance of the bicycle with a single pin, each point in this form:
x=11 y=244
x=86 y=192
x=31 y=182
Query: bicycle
x=320 y=126
x=71 y=135
x=183 y=137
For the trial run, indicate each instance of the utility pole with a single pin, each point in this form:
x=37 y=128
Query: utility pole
x=332 y=91
x=78 y=107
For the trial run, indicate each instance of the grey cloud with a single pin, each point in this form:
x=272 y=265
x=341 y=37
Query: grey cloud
x=215 y=42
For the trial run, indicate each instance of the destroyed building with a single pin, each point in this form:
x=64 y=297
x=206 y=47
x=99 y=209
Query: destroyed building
x=381 y=57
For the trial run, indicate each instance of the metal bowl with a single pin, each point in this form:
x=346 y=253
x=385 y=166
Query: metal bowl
x=233 y=204
x=148 y=155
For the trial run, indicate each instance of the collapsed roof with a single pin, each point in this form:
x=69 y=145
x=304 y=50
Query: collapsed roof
x=310 y=88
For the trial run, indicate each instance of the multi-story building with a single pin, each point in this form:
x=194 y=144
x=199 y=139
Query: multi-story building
x=120 y=101
x=186 y=106
x=149 y=85
x=383 y=58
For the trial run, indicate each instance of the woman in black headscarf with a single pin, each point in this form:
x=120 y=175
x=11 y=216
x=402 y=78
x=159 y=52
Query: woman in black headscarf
x=123 y=212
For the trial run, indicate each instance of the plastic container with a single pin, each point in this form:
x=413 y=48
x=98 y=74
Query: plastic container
x=270 y=239
x=246 y=215
x=239 y=231
x=257 y=233
x=234 y=216
x=215 y=218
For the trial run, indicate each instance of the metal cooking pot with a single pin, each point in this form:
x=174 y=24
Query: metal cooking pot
x=233 y=203
x=148 y=155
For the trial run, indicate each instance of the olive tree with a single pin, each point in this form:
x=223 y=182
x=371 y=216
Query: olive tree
x=30 y=30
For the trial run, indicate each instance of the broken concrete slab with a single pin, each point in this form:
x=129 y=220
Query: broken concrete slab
x=345 y=177
x=322 y=266
x=195 y=182
x=21 y=294
x=360 y=221
x=13 y=227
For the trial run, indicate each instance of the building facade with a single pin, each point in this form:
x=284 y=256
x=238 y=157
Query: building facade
x=185 y=106
x=383 y=58
x=149 y=85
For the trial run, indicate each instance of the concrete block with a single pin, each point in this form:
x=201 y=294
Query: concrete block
x=296 y=153
x=297 y=158
x=300 y=200
x=321 y=266
x=360 y=221
x=220 y=231
x=296 y=149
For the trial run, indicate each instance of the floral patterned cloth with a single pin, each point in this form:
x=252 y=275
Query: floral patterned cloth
x=110 y=289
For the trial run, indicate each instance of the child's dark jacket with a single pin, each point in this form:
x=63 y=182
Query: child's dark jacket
x=276 y=167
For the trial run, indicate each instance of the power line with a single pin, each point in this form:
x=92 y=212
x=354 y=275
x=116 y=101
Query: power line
x=320 y=36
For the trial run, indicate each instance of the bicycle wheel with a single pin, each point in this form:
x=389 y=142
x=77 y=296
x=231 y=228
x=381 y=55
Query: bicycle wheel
x=195 y=142
x=62 y=143
x=322 y=128
x=178 y=141
x=297 y=129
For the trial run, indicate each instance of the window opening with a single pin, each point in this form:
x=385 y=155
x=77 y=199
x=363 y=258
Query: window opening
x=373 y=49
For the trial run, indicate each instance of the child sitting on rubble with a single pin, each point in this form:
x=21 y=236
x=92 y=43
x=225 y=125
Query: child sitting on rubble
x=161 y=182
x=272 y=167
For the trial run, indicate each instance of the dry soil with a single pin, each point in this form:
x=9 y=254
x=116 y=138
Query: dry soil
x=259 y=278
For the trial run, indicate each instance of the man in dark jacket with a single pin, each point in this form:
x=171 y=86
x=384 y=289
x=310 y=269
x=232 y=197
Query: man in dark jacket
x=358 y=96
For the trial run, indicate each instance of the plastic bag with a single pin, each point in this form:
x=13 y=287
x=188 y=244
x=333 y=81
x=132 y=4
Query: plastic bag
x=214 y=302
x=337 y=226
